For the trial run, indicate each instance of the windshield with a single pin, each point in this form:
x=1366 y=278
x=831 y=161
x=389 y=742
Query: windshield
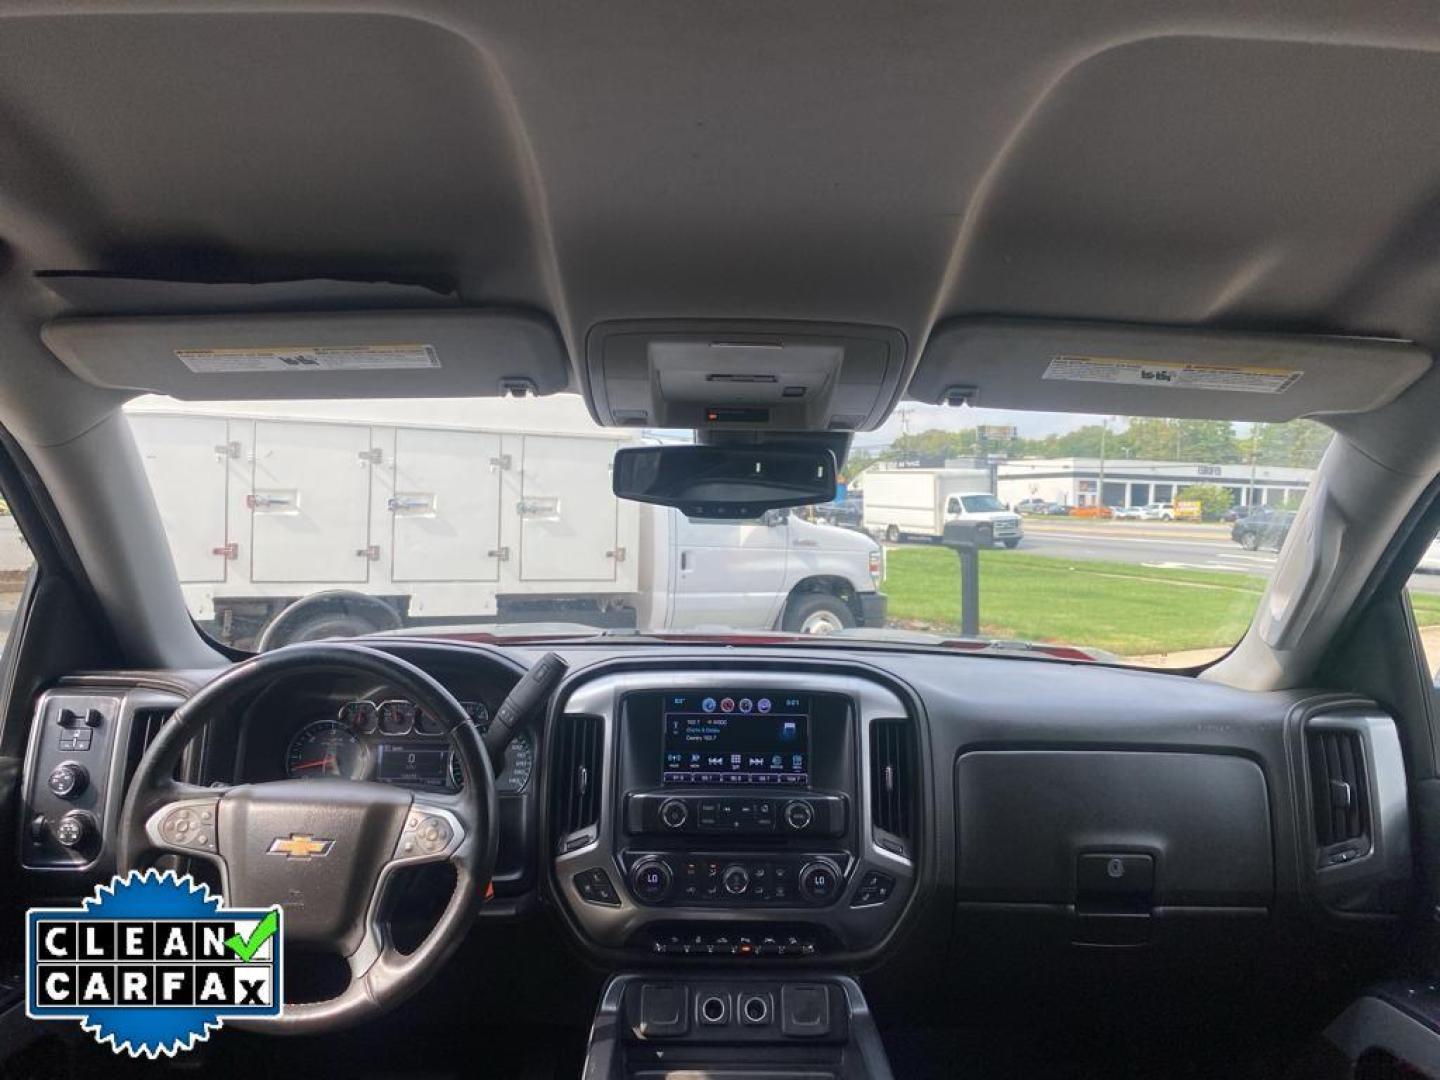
x=1130 y=538
x=980 y=504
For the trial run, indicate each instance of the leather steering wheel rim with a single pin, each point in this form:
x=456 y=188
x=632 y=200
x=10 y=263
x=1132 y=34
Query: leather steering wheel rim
x=381 y=977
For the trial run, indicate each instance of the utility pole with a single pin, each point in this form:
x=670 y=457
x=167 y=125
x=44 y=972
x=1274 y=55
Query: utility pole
x=1100 y=483
x=1254 y=447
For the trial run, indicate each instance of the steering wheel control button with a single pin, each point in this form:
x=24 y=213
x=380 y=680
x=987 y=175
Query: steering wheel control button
x=594 y=887
x=189 y=827
x=799 y=816
x=651 y=880
x=68 y=780
x=75 y=829
x=424 y=835
x=875 y=888
x=820 y=881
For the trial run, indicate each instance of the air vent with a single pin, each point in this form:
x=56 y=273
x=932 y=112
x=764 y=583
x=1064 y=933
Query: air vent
x=576 y=795
x=1339 y=785
x=893 y=780
x=144 y=726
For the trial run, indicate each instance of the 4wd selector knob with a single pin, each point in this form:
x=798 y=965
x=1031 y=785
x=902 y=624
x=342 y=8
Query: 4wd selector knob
x=651 y=879
x=736 y=879
x=67 y=780
x=820 y=881
x=799 y=815
x=674 y=813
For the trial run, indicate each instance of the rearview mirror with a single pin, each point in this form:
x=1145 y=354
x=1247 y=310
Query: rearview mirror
x=724 y=481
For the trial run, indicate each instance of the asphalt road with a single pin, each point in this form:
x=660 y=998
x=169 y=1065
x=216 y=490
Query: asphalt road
x=1157 y=543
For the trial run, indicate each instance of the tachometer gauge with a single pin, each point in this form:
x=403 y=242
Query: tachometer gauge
x=397 y=717
x=514 y=775
x=360 y=717
x=325 y=748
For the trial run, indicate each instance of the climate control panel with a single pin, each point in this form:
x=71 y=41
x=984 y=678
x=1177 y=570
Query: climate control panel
x=664 y=813
x=736 y=879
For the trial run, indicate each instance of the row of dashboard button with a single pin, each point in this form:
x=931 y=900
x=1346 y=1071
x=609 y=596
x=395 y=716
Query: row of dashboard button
x=732 y=945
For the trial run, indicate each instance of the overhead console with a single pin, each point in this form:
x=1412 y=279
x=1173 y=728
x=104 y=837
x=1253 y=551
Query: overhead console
x=744 y=375
x=749 y=814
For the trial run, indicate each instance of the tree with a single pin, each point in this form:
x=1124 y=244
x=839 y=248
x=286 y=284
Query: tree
x=1297 y=444
x=1213 y=500
x=1210 y=441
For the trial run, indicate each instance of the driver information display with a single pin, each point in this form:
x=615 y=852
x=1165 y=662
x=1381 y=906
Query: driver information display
x=737 y=738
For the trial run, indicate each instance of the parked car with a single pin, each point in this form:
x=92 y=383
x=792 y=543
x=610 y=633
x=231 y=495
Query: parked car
x=1265 y=528
x=1031 y=506
x=1126 y=513
x=1056 y=509
x=1157 y=512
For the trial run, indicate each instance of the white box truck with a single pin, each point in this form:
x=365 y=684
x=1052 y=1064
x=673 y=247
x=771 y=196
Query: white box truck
x=902 y=503
x=293 y=526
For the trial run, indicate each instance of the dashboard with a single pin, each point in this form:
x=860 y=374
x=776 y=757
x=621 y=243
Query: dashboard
x=686 y=806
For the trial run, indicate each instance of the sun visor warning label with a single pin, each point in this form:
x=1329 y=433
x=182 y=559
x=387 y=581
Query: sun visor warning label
x=1239 y=378
x=308 y=358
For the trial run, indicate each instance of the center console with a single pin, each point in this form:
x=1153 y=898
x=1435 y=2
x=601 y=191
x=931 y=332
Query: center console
x=739 y=814
x=743 y=1027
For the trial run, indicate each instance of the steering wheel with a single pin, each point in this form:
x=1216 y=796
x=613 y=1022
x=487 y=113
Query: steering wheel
x=325 y=850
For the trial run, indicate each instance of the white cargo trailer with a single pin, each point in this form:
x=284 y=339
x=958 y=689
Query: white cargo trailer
x=330 y=518
x=904 y=503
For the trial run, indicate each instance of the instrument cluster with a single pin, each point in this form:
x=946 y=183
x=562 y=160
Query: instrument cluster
x=393 y=741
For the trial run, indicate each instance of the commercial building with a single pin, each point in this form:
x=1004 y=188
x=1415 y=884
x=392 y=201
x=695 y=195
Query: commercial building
x=1076 y=481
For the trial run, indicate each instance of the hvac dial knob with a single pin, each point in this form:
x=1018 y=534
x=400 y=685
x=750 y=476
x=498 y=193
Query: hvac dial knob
x=820 y=881
x=651 y=879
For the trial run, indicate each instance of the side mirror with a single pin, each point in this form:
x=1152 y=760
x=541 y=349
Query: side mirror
x=724 y=481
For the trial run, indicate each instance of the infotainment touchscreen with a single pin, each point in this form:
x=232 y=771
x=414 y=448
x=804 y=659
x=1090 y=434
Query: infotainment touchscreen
x=737 y=737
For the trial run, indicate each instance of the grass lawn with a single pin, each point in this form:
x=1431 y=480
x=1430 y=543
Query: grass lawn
x=1124 y=609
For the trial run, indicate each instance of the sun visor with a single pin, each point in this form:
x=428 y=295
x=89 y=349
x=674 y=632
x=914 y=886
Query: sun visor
x=744 y=375
x=462 y=352
x=1157 y=371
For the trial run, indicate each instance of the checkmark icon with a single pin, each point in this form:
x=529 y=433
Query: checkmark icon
x=245 y=948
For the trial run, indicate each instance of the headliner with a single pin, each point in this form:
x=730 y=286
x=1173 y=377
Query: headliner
x=1197 y=164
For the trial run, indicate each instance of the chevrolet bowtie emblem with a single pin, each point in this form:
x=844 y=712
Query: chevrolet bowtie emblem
x=300 y=846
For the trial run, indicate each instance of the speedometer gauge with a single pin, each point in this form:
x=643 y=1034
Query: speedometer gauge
x=325 y=748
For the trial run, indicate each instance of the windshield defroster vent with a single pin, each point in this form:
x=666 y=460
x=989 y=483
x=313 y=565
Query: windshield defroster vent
x=893 y=783
x=576 y=796
x=1339 y=785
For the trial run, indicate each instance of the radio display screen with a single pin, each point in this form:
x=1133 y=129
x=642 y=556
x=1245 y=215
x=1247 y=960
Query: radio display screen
x=737 y=737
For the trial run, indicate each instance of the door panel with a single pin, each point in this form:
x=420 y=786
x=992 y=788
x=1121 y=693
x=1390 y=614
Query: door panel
x=568 y=515
x=445 y=510
x=310 y=503
x=185 y=459
x=727 y=574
